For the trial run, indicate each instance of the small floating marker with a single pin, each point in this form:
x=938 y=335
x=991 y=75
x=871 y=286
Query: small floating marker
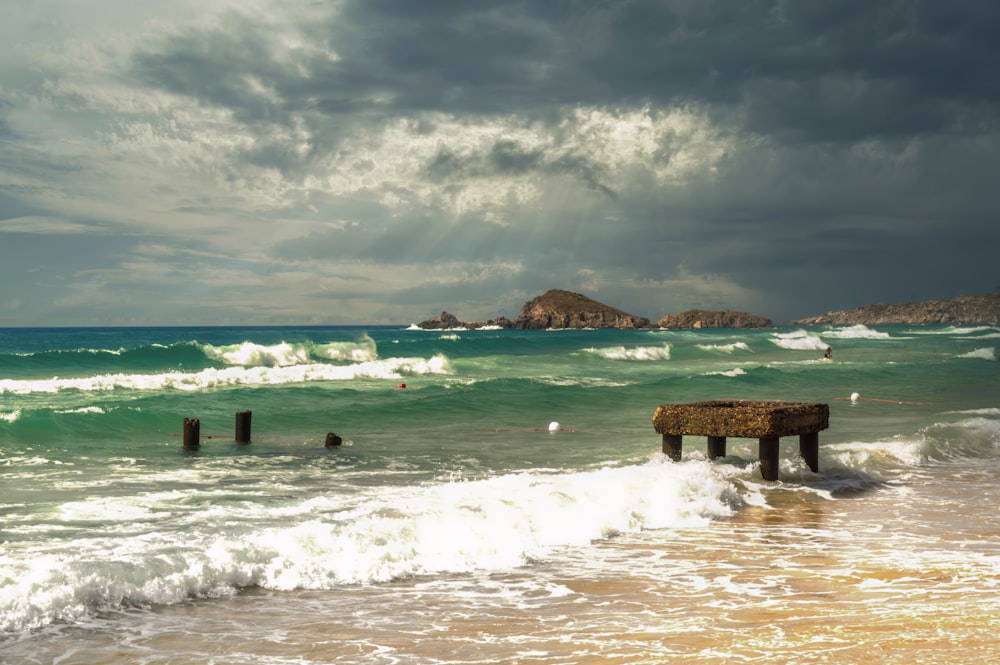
x=332 y=440
x=402 y=385
x=553 y=426
x=855 y=397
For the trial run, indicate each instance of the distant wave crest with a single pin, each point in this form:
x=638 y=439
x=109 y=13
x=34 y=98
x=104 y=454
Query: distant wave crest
x=725 y=348
x=636 y=353
x=987 y=353
x=799 y=340
x=284 y=354
x=857 y=332
x=391 y=368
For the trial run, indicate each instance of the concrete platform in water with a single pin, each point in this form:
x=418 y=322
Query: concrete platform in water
x=765 y=421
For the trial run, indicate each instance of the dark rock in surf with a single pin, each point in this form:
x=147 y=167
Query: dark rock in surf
x=442 y=321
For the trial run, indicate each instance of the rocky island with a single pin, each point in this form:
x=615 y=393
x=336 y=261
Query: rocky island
x=564 y=309
x=559 y=309
x=553 y=309
x=977 y=310
x=556 y=309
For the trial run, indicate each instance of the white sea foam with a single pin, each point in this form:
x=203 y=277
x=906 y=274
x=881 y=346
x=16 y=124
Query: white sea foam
x=10 y=416
x=952 y=330
x=982 y=412
x=491 y=524
x=987 y=353
x=635 y=353
x=249 y=354
x=725 y=348
x=83 y=409
x=363 y=350
x=736 y=371
x=859 y=454
x=798 y=340
x=857 y=332
x=390 y=368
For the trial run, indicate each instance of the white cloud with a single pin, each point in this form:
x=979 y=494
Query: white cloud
x=45 y=225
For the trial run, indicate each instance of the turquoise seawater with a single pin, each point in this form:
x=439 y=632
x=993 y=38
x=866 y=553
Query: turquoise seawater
x=509 y=465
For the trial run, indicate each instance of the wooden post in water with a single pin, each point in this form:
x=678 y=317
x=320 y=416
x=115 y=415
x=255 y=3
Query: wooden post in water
x=768 y=454
x=672 y=444
x=243 y=426
x=716 y=447
x=192 y=433
x=332 y=440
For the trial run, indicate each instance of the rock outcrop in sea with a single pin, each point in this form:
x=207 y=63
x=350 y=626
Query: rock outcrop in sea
x=702 y=318
x=553 y=309
x=977 y=310
x=446 y=321
x=557 y=308
x=564 y=309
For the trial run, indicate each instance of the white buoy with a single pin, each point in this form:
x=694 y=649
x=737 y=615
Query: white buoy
x=855 y=397
x=553 y=426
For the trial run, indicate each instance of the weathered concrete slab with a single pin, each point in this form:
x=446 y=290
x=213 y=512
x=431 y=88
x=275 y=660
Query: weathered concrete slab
x=765 y=421
x=741 y=418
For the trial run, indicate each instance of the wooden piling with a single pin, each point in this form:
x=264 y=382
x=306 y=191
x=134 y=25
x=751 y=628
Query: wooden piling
x=192 y=433
x=243 y=426
x=332 y=440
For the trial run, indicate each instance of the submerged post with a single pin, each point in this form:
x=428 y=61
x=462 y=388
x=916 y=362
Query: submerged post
x=192 y=433
x=243 y=426
x=332 y=440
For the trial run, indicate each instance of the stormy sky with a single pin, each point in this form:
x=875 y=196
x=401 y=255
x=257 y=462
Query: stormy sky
x=377 y=161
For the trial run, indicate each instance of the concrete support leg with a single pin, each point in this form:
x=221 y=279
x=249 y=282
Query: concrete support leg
x=809 y=448
x=768 y=454
x=716 y=447
x=672 y=446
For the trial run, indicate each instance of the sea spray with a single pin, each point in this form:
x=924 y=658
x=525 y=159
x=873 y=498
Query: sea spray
x=496 y=523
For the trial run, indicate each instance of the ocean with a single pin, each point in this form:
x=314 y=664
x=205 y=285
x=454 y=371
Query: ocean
x=511 y=503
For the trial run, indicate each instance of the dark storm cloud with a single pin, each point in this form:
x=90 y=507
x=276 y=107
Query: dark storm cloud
x=830 y=69
x=740 y=154
x=802 y=71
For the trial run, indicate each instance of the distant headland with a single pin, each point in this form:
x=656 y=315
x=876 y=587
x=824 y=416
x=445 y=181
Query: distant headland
x=974 y=310
x=559 y=309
